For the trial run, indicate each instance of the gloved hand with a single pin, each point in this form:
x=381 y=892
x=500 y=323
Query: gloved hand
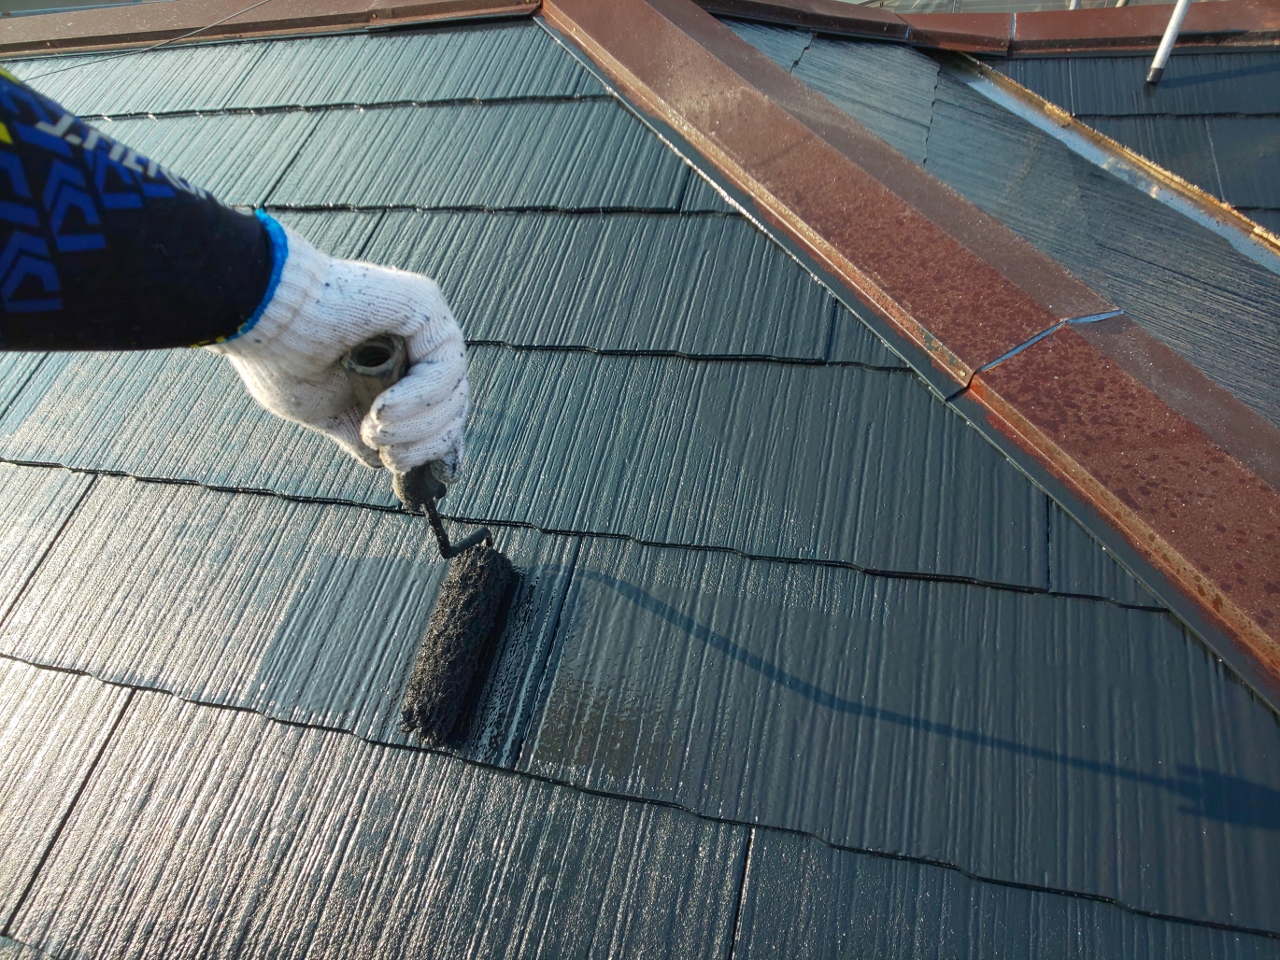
x=321 y=308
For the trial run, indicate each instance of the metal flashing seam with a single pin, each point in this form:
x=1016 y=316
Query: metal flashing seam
x=766 y=133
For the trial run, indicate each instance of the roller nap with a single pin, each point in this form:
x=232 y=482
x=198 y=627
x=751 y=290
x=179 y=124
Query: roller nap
x=468 y=610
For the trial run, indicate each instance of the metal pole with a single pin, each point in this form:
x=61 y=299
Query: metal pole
x=1073 y=4
x=1167 y=42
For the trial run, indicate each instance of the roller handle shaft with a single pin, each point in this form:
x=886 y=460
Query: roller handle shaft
x=371 y=367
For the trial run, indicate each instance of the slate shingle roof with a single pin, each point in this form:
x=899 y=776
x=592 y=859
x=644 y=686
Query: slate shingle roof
x=1214 y=119
x=798 y=659
x=1189 y=286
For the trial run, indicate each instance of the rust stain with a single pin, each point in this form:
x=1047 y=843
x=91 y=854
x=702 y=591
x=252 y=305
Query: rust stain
x=955 y=282
x=1228 y=22
x=137 y=25
x=1195 y=512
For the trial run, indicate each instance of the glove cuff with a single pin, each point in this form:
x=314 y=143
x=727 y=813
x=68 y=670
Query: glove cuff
x=301 y=277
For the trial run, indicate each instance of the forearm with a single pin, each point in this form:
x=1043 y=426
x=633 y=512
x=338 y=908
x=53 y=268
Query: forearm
x=104 y=249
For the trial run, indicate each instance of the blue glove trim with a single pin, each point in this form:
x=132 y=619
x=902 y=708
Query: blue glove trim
x=279 y=252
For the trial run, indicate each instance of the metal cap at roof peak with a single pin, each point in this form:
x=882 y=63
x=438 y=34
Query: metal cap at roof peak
x=958 y=292
x=1237 y=22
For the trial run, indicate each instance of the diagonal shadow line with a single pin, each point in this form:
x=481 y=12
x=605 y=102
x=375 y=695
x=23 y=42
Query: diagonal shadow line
x=1207 y=793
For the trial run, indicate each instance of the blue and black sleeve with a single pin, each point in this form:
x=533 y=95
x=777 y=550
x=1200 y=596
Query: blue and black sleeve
x=104 y=249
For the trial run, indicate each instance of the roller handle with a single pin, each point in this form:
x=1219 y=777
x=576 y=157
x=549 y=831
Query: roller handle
x=371 y=367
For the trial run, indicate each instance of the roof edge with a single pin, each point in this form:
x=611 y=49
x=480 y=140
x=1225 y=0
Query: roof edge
x=892 y=234
x=1224 y=22
x=174 y=21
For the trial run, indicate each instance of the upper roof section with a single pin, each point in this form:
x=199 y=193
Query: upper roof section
x=140 y=24
x=1006 y=29
x=1213 y=120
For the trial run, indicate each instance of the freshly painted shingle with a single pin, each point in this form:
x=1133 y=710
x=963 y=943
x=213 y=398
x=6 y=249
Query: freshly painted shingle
x=310 y=613
x=1050 y=77
x=886 y=87
x=34 y=504
x=1180 y=144
x=805 y=899
x=828 y=463
x=339 y=233
x=199 y=77
x=706 y=285
x=13 y=950
x=1194 y=83
x=209 y=833
x=52 y=727
x=545 y=154
x=824 y=463
x=1025 y=738
x=16 y=369
x=1183 y=283
x=501 y=61
x=236 y=157
x=783 y=46
x=178 y=415
x=1078 y=564
x=1247 y=152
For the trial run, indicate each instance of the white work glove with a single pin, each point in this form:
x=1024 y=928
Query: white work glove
x=321 y=308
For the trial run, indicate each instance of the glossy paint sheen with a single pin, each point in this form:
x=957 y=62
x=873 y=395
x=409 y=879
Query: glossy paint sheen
x=920 y=719
x=545 y=154
x=1213 y=118
x=646 y=365
x=711 y=286
x=215 y=833
x=147 y=586
x=804 y=898
x=832 y=463
x=52 y=729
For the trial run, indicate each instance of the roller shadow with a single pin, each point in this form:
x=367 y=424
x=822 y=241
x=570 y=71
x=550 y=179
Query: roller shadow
x=1208 y=794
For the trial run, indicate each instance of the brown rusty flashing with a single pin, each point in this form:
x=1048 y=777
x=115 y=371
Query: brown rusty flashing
x=1198 y=515
x=1174 y=464
x=826 y=16
x=955 y=281
x=1225 y=22
x=987 y=33
x=173 y=21
x=1235 y=22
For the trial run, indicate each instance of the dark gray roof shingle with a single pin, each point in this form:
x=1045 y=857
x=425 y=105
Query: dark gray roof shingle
x=660 y=372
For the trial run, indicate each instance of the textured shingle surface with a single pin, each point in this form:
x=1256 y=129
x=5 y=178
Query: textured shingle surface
x=190 y=78
x=647 y=365
x=211 y=833
x=699 y=286
x=920 y=719
x=52 y=728
x=34 y=504
x=1214 y=119
x=306 y=612
x=236 y=157
x=805 y=899
x=542 y=154
x=833 y=463
x=1182 y=282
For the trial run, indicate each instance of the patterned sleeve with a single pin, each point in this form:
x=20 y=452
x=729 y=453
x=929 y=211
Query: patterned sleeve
x=102 y=248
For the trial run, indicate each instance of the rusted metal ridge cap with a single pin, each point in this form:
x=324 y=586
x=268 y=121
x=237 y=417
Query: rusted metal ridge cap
x=1234 y=22
x=141 y=24
x=1174 y=469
